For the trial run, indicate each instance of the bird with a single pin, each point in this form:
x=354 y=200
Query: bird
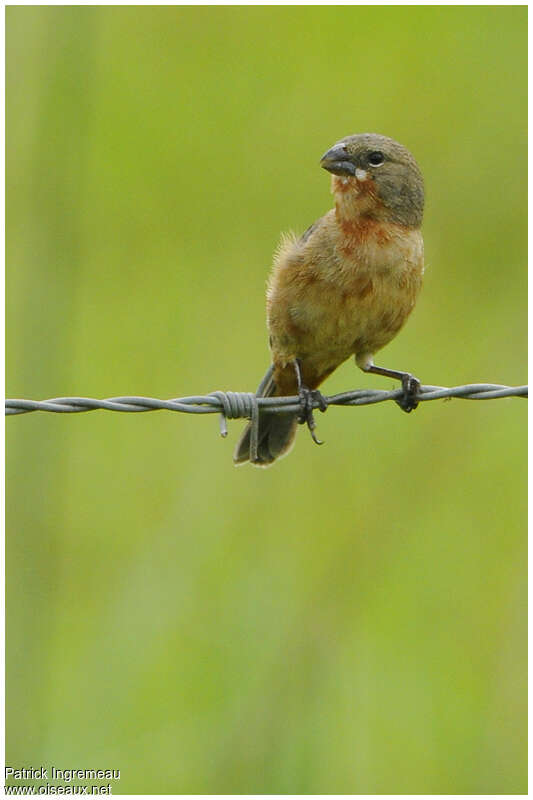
x=343 y=288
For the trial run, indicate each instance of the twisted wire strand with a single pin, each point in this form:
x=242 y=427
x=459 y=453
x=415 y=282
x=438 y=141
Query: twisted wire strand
x=239 y=405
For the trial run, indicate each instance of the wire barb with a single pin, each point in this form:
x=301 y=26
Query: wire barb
x=235 y=405
x=238 y=405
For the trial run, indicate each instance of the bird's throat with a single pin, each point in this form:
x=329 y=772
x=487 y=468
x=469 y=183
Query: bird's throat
x=354 y=199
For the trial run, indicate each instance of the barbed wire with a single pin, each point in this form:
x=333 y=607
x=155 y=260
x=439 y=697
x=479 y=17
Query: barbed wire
x=238 y=405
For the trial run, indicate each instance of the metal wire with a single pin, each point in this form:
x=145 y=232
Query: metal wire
x=237 y=405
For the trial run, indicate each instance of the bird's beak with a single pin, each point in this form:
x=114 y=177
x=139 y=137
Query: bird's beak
x=337 y=161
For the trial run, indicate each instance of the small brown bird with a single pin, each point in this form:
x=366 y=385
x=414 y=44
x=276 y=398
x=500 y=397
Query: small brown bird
x=345 y=287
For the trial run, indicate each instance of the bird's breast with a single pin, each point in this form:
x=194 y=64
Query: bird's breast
x=346 y=288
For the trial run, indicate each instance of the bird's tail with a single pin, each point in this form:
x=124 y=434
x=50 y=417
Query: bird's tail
x=275 y=435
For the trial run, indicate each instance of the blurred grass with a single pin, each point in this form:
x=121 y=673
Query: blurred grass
x=353 y=620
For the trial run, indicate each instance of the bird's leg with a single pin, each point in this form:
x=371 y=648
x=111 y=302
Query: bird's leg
x=410 y=385
x=307 y=396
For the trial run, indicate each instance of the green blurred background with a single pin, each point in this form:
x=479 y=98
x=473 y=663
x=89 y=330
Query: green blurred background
x=352 y=620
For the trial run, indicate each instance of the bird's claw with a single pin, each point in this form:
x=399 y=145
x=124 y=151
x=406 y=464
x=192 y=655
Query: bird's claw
x=411 y=386
x=307 y=399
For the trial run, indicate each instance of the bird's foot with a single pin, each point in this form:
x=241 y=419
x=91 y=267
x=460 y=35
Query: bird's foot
x=411 y=386
x=308 y=397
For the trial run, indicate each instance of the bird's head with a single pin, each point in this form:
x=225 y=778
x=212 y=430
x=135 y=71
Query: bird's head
x=371 y=166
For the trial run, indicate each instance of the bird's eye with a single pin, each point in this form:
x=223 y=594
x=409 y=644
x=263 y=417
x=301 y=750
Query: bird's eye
x=376 y=159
